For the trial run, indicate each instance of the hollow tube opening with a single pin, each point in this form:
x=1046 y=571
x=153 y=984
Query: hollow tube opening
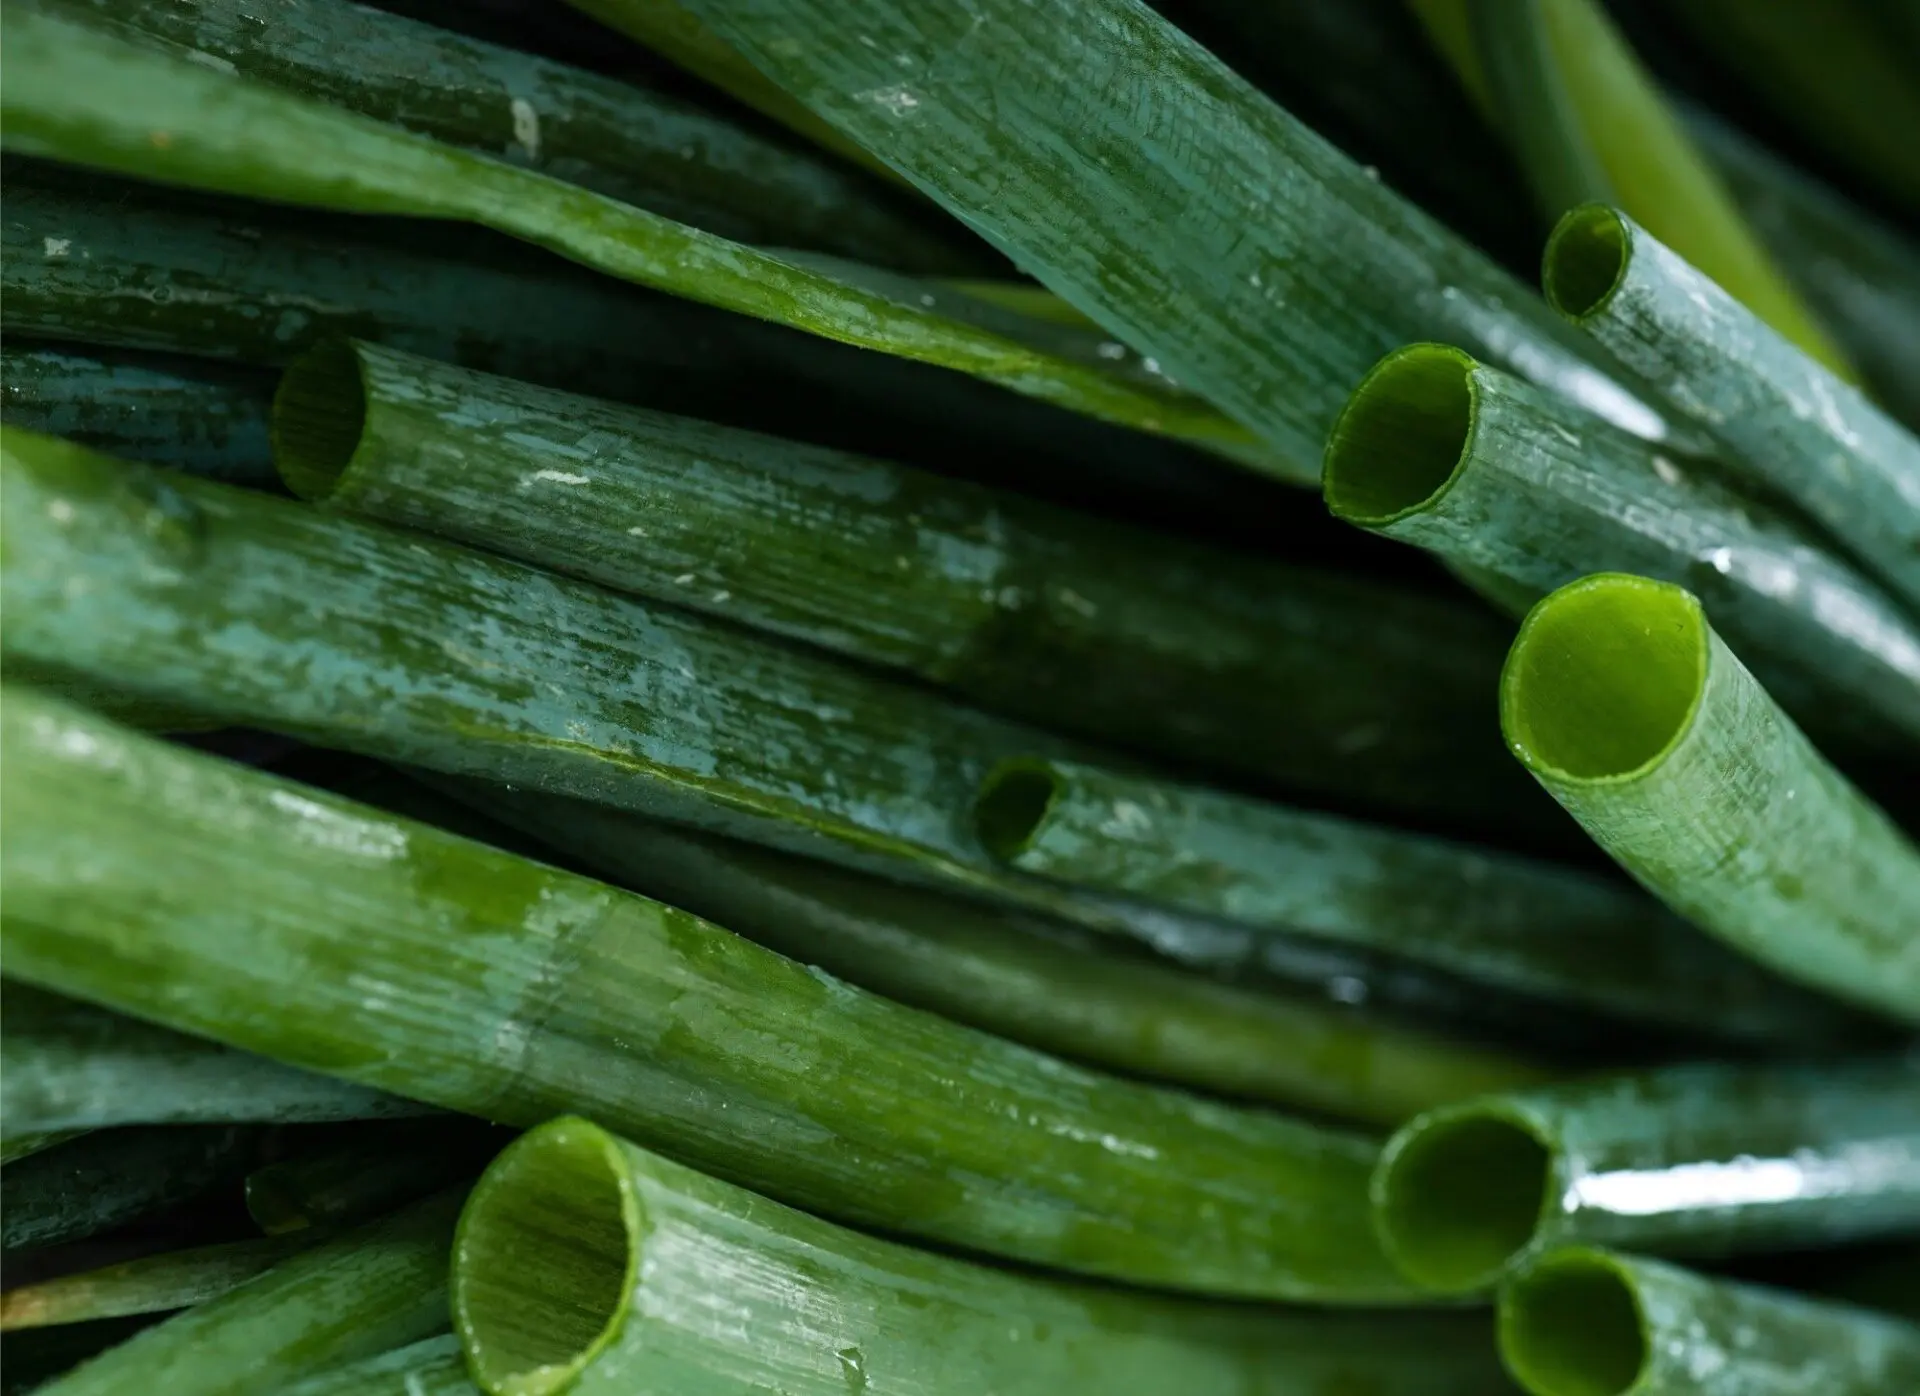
x=1012 y=804
x=1402 y=436
x=1604 y=677
x=546 y=1258
x=1585 y=261
x=319 y=417
x=1571 y=1325
x=1458 y=1196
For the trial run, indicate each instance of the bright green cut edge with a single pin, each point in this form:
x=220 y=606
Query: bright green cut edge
x=319 y=416
x=1585 y=261
x=1571 y=1325
x=1459 y=1193
x=1403 y=438
x=546 y=1259
x=1604 y=679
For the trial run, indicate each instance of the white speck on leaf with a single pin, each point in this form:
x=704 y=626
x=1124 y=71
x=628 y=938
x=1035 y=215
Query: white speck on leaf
x=526 y=125
x=55 y=248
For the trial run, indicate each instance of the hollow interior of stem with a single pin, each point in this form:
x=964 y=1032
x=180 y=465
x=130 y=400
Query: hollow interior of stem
x=1013 y=803
x=1604 y=677
x=319 y=417
x=1459 y=1196
x=546 y=1258
x=1585 y=261
x=1402 y=436
x=1571 y=1325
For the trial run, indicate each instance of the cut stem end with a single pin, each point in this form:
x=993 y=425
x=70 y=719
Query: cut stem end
x=1012 y=805
x=546 y=1258
x=1604 y=678
x=1458 y=1195
x=1402 y=436
x=319 y=417
x=1571 y=1325
x=1585 y=261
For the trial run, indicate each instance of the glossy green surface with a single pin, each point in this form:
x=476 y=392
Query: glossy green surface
x=165 y=409
x=1042 y=982
x=1685 y=1160
x=1336 y=685
x=93 y=260
x=589 y=1265
x=1525 y=926
x=373 y=1170
x=1840 y=71
x=669 y=30
x=1859 y=272
x=1152 y=189
x=427 y=653
x=1786 y=422
x=107 y=1178
x=152 y=1284
x=1589 y=123
x=1634 y=714
x=621 y=846
x=639 y=147
x=1458 y=458
x=402 y=957
x=71 y=1066
x=375 y=1288
x=1585 y=1322
x=431 y=1367
x=225 y=134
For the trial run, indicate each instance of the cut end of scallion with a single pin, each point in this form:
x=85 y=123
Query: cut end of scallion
x=1012 y=805
x=1571 y=1325
x=1402 y=436
x=1458 y=1195
x=319 y=416
x=1604 y=678
x=546 y=1258
x=1586 y=260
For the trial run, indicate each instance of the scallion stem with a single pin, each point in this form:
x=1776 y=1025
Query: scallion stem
x=1633 y=713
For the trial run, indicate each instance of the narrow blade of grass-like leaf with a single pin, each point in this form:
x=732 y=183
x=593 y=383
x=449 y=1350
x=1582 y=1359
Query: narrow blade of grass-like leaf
x=225 y=134
x=1833 y=69
x=373 y=1289
x=617 y=139
x=71 y=1066
x=1634 y=714
x=151 y=1285
x=371 y=1171
x=1340 y=686
x=588 y=1264
x=1784 y=419
x=1524 y=926
x=1590 y=125
x=165 y=409
x=671 y=31
x=107 y=1178
x=1858 y=271
x=616 y=844
x=1042 y=982
x=1453 y=456
x=139 y=266
x=430 y=1367
x=1582 y=1321
x=1152 y=189
x=153 y=268
x=515 y=990
x=1704 y=1160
